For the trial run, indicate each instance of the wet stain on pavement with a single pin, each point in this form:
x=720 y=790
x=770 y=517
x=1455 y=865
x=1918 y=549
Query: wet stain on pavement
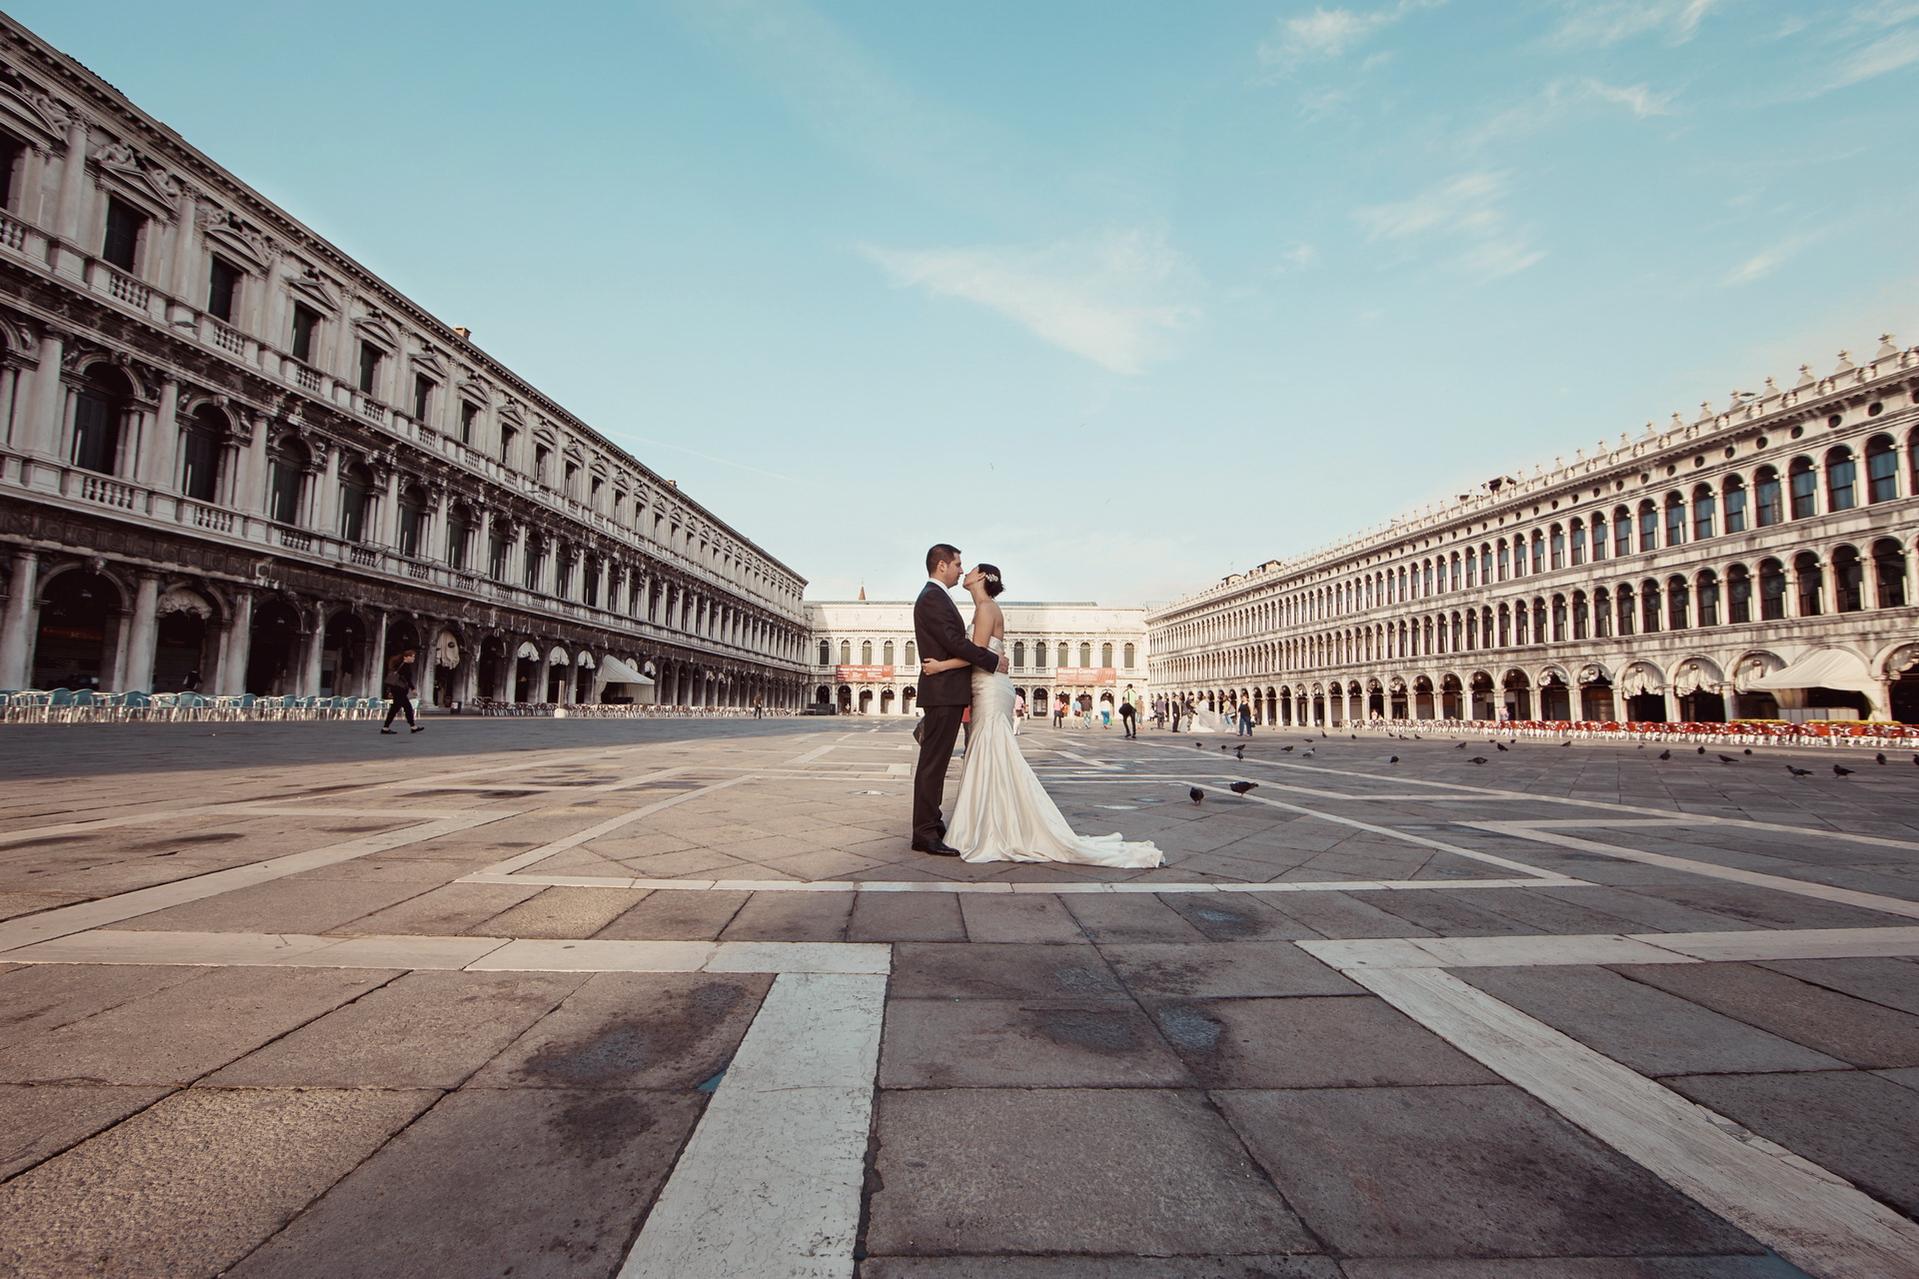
x=620 y=1049
x=1098 y=1031
x=603 y=1126
x=1189 y=1029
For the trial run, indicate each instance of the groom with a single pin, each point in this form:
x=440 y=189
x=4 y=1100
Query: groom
x=942 y=697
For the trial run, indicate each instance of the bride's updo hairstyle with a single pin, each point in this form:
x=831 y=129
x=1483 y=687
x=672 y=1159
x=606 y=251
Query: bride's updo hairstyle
x=991 y=574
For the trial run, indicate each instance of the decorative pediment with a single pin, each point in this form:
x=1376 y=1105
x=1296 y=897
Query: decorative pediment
x=377 y=329
x=513 y=413
x=35 y=115
x=227 y=230
x=476 y=389
x=430 y=364
x=309 y=284
x=137 y=177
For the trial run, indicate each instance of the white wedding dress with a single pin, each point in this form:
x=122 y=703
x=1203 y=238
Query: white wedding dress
x=1203 y=721
x=1002 y=813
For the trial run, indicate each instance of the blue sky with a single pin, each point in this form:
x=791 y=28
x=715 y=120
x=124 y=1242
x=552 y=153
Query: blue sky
x=1121 y=296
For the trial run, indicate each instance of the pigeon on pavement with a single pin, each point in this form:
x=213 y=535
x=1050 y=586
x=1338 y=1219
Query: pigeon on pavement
x=1728 y=759
x=1195 y=794
x=1799 y=772
x=1840 y=770
x=1479 y=759
x=1393 y=760
x=1880 y=757
x=1499 y=746
x=1665 y=754
x=1240 y=788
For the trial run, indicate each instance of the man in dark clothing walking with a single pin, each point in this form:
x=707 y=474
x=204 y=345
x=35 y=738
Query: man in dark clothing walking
x=399 y=687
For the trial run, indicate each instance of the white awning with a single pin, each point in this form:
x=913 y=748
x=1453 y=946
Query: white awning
x=586 y=661
x=1821 y=668
x=558 y=657
x=529 y=652
x=618 y=672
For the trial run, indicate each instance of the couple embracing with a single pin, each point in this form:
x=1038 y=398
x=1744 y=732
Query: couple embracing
x=1002 y=813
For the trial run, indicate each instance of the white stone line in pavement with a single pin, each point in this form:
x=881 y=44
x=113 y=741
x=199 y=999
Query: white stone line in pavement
x=1387 y=832
x=62 y=920
x=1802 y=1211
x=1796 y=943
x=1708 y=870
x=1097 y=766
x=460 y=954
x=1494 y=952
x=535 y=855
x=1006 y=886
x=770 y=1183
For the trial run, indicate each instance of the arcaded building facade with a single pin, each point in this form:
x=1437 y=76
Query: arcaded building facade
x=232 y=457
x=1753 y=563
x=866 y=661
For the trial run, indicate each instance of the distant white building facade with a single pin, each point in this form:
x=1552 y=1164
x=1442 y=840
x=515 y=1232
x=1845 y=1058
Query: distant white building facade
x=866 y=661
x=1752 y=563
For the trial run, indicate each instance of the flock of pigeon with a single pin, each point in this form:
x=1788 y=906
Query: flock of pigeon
x=1239 y=752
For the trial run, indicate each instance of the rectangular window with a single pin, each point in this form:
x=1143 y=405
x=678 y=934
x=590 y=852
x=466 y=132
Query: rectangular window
x=1621 y=533
x=422 y=395
x=1736 y=510
x=540 y=454
x=11 y=152
x=283 y=491
x=96 y=436
x=369 y=367
x=496 y=558
x=124 y=225
x=507 y=434
x=469 y=413
x=412 y=525
x=1675 y=525
x=200 y=466
x=306 y=321
x=223 y=290
x=353 y=504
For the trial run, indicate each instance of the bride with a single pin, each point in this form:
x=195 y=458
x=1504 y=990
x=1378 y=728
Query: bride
x=1002 y=813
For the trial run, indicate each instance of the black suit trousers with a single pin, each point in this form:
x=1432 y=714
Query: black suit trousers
x=939 y=729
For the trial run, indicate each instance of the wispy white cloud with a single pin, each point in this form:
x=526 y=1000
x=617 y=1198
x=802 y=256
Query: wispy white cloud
x=1890 y=52
x=1588 y=22
x=1767 y=260
x=1327 y=34
x=1466 y=213
x=1563 y=98
x=1116 y=299
x=1299 y=257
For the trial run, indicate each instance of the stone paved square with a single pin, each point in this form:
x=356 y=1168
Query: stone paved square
x=455 y=1050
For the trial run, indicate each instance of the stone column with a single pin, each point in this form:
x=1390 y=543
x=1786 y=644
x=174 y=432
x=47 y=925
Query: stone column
x=308 y=685
x=158 y=471
x=69 y=255
x=390 y=510
x=137 y=673
x=426 y=668
x=250 y=496
x=232 y=677
x=17 y=624
x=180 y=280
x=326 y=502
x=45 y=400
x=376 y=667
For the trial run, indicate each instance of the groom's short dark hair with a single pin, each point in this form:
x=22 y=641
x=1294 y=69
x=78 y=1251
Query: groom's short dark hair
x=938 y=555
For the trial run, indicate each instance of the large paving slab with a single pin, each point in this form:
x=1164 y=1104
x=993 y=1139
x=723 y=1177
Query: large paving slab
x=192 y=1184
x=1860 y=1126
x=1122 y=1172
x=531 y=1182
x=992 y=1043
x=1853 y=1030
x=1462 y=1172
x=1328 y=1042
x=1651 y=1031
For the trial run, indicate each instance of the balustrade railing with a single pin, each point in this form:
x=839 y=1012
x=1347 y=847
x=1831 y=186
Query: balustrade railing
x=227 y=339
x=211 y=518
x=306 y=379
x=98 y=488
x=126 y=288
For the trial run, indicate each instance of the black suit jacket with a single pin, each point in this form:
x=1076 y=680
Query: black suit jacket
x=941 y=634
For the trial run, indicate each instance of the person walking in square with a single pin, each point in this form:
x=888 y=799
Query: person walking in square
x=1246 y=718
x=399 y=687
x=1128 y=716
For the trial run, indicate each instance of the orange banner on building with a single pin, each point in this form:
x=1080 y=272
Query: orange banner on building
x=861 y=674
x=1086 y=676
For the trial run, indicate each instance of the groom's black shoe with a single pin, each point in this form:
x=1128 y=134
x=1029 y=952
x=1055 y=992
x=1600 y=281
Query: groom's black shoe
x=938 y=848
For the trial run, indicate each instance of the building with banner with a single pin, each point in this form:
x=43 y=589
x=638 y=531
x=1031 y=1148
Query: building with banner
x=233 y=459
x=866 y=662
x=1754 y=562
